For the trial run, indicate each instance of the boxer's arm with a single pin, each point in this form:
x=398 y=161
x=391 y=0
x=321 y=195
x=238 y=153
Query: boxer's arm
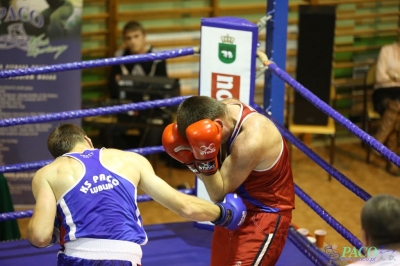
x=187 y=206
x=247 y=151
x=41 y=225
x=232 y=174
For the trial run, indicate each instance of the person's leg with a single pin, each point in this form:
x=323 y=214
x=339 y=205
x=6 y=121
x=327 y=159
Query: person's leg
x=379 y=100
x=388 y=120
x=259 y=241
x=392 y=144
x=395 y=93
x=277 y=236
x=220 y=246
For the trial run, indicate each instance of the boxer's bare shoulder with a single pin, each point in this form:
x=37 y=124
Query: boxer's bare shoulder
x=231 y=100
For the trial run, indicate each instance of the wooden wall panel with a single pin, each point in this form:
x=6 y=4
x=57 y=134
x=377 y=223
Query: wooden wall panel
x=362 y=27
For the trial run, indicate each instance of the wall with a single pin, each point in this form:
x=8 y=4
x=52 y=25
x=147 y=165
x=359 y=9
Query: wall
x=362 y=27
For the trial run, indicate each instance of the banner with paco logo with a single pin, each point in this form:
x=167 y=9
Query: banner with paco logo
x=36 y=34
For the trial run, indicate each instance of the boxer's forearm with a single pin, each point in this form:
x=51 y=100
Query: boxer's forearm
x=214 y=185
x=199 y=210
x=37 y=237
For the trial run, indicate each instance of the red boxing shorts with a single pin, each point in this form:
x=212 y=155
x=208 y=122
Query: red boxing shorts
x=259 y=241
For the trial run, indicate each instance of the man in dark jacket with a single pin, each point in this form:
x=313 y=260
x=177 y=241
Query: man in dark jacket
x=135 y=43
x=134 y=37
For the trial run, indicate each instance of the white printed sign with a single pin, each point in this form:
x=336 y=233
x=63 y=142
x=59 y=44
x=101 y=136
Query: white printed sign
x=226 y=63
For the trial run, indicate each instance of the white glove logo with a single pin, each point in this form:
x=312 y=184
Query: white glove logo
x=244 y=214
x=182 y=148
x=207 y=150
x=207 y=166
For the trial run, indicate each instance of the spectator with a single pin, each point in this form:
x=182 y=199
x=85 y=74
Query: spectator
x=134 y=39
x=386 y=97
x=381 y=229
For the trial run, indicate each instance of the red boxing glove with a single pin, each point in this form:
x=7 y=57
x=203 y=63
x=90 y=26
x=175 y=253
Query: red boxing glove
x=204 y=138
x=178 y=147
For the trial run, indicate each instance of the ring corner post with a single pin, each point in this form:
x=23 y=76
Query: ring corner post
x=276 y=38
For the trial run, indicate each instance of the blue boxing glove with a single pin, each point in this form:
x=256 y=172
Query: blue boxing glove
x=233 y=212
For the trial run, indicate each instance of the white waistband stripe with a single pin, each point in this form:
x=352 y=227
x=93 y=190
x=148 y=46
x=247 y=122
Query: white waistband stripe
x=104 y=249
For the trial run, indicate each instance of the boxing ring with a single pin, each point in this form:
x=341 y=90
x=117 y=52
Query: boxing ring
x=183 y=243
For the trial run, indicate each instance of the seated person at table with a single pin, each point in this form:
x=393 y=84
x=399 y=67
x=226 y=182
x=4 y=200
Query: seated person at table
x=135 y=43
x=386 y=97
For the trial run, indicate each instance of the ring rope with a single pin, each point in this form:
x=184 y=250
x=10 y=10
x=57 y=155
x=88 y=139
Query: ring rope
x=305 y=249
x=312 y=204
x=311 y=251
x=345 y=181
x=336 y=225
x=100 y=62
x=36 y=165
x=328 y=218
x=25 y=214
x=159 y=56
x=299 y=192
x=15 y=215
x=327 y=109
x=91 y=112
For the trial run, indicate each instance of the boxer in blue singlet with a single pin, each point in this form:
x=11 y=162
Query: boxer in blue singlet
x=93 y=195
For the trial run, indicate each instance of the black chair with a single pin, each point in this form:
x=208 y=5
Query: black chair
x=370 y=115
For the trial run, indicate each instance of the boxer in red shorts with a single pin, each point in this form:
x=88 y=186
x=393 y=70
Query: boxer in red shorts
x=232 y=148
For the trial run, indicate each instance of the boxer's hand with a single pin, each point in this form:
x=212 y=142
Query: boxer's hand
x=204 y=138
x=178 y=147
x=233 y=212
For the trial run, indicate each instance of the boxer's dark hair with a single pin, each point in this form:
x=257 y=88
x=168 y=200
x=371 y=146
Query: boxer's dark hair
x=380 y=218
x=197 y=108
x=64 y=138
